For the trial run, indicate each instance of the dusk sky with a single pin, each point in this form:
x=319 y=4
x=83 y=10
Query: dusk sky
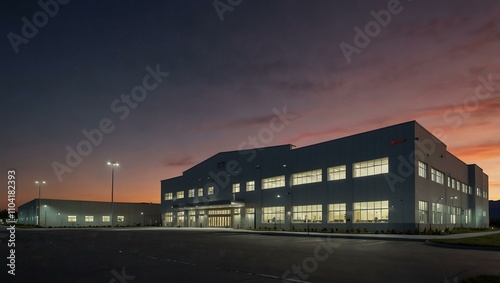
x=436 y=62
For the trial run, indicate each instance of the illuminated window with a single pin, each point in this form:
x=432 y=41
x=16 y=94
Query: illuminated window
x=180 y=194
x=200 y=192
x=89 y=218
x=273 y=182
x=71 y=218
x=449 y=182
x=106 y=219
x=120 y=218
x=422 y=169
x=371 y=212
x=219 y=212
x=191 y=193
x=169 y=217
x=168 y=196
x=453 y=212
x=307 y=213
x=180 y=218
x=336 y=212
x=237 y=211
x=437 y=176
x=236 y=188
x=370 y=167
x=210 y=190
x=485 y=194
x=308 y=177
x=336 y=173
x=250 y=186
x=468 y=214
x=453 y=183
x=274 y=214
x=250 y=210
x=437 y=213
x=478 y=192
x=423 y=211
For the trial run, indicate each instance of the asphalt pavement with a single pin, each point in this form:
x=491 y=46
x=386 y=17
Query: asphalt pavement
x=227 y=255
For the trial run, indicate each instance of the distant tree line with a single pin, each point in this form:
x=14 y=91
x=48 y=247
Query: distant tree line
x=4 y=214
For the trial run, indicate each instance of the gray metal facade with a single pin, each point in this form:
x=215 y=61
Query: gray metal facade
x=402 y=186
x=76 y=213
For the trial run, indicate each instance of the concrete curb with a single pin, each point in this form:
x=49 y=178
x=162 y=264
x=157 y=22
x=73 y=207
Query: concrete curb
x=329 y=235
x=462 y=247
x=346 y=236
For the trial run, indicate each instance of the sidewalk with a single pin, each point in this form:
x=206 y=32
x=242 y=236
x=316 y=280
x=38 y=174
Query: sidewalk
x=395 y=237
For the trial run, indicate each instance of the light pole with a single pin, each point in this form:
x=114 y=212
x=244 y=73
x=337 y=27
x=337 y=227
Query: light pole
x=403 y=214
x=113 y=164
x=142 y=213
x=39 y=183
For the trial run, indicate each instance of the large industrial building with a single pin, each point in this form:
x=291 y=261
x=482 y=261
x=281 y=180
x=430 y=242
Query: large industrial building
x=79 y=213
x=398 y=178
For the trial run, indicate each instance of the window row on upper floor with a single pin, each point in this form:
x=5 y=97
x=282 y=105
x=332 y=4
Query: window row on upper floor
x=359 y=169
x=439 y=177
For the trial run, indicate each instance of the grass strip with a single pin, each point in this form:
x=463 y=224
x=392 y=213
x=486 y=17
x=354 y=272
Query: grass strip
x=482 y=241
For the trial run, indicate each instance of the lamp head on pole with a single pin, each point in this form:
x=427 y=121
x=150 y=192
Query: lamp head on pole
x=113 y=163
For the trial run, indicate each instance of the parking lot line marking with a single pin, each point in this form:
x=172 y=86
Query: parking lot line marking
x=221 y=268
x=371 y=244
x=295 y=280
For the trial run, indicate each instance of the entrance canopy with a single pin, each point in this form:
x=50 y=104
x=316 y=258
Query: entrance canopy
x=209 y=205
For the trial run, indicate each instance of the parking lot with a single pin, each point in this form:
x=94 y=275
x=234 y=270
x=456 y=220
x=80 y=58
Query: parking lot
x=226 y=255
